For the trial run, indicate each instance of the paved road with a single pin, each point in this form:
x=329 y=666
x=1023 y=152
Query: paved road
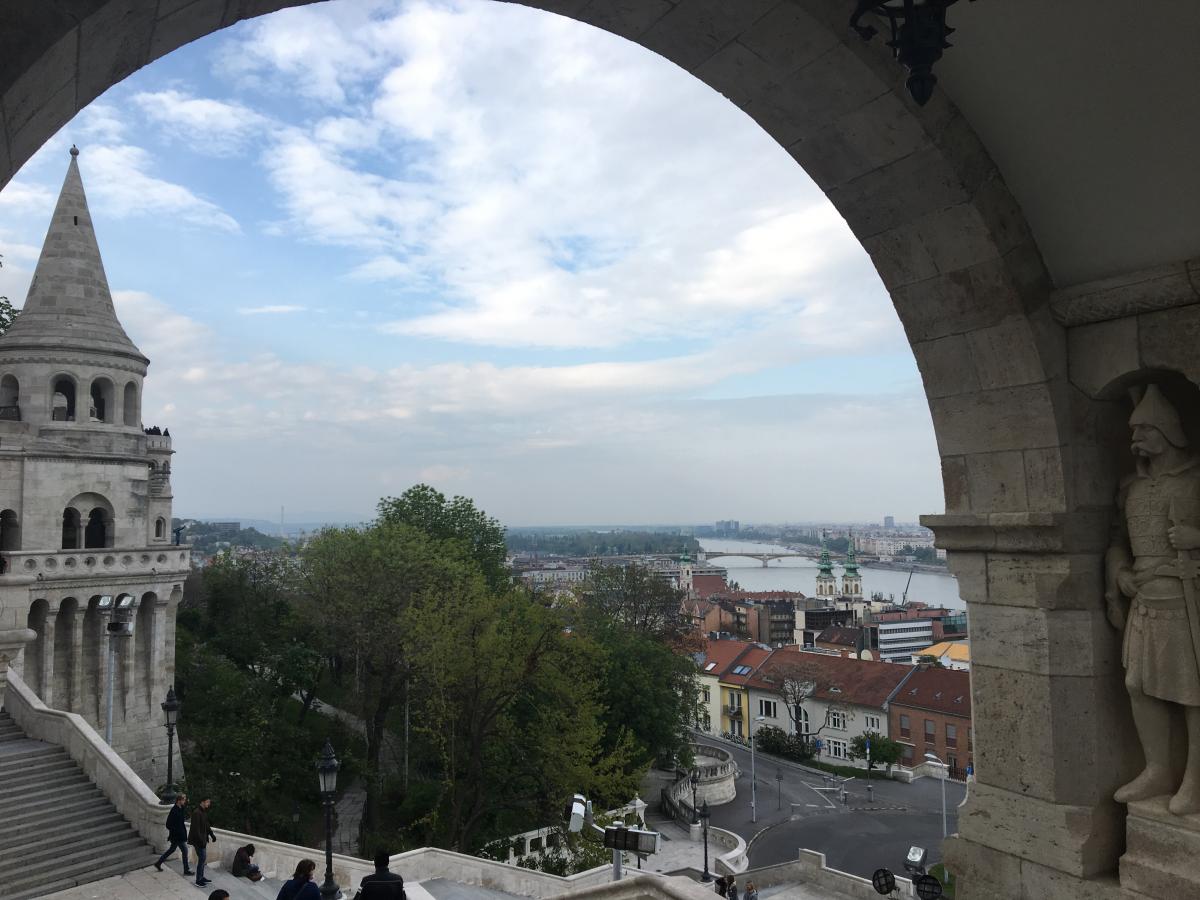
x=804 y=808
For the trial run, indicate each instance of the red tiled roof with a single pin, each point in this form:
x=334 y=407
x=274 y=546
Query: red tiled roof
x=722 y=655
x=941 y=690
x=753 y=657
x=705 y=586
x=859 y=682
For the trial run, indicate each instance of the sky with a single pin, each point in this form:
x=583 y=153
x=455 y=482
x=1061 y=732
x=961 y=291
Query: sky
x=369 y=244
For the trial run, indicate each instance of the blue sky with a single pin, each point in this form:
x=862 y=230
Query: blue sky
x=372 y=243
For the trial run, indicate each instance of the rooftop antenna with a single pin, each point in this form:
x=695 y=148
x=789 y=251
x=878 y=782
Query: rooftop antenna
x=281 y=522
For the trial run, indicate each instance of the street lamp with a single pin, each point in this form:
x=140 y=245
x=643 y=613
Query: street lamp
x=704 y=817
x=327 y=769
x=933 y=758
x=695 y=780
x=170 y=708
x=753 y=790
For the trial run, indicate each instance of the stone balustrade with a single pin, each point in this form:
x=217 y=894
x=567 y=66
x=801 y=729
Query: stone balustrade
x=151 y=561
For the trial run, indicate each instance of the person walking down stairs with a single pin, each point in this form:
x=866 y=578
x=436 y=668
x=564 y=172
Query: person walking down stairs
x=199 y=837
x=177 y=834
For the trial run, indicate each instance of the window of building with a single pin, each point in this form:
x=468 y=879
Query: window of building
x=836 y=748
x=835 y=718
x=906 y=754
x=905 y=730
x=707 y=695
x=951 y=735
x=707 y=722
x=872 y=723
x=160 y=527
x=802 y=720
x=952 y=762
x=930 y=731
x=735 y=700
x=766 y=708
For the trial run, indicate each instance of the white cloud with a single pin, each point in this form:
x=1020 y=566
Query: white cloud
x=270 y=309
x=119 y=181
x=208 y=126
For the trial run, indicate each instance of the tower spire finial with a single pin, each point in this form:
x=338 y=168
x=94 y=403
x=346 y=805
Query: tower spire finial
x=74 y=150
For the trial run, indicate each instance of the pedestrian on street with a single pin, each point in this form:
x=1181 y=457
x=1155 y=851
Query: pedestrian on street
x=384 y=884
x=199 y=837
x=719 y=887
x=301 y=886
x=244 y=865
x=751 y=891
x=219 y=894
x=176 y=833
x=732 y=893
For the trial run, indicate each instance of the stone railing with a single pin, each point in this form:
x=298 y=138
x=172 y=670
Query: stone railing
x=538 y=840
x=100 y=763
x=152 y=561
x=718 y=784
x=810 y=869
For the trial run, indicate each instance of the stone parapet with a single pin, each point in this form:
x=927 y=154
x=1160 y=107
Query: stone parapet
x=162 y=560
x=1162 y=853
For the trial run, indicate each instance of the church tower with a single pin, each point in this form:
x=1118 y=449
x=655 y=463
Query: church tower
x=851 y=579
x=826 y=580
x=85 y=499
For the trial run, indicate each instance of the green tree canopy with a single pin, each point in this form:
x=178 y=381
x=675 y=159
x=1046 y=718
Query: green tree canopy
x=458 y=519
x=884 y=751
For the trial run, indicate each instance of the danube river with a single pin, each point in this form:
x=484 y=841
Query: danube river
x=799 y=574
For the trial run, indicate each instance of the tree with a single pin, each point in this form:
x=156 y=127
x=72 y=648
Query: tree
x=884 y=750
x=429 y=511
x=798 y=677
x=359 y=584
x=7 y=313
x=635 y=598
x=510 y=700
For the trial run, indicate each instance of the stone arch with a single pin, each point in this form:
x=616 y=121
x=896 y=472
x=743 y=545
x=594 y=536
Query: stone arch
x=10 y=530
x=92 y=666
x=66 y=663
x=63 y=389
x=160 y=528
x=91 y=515
x=103 y=400
x=133 y=414
x=36 y=650
x=147 y=639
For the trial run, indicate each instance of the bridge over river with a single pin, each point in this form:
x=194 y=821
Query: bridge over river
x=764 y=558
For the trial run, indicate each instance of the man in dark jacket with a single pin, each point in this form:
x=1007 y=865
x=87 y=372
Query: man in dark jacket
x=383 y=885
x=199 y=837
x=176 y=833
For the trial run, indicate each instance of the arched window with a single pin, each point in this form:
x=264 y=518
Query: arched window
x=10 y=398
x=10 y=531
x=102 y=400
x=71 y=529
x=132 y=415
x=160 y=527
x=62 y=406
x=98 y=532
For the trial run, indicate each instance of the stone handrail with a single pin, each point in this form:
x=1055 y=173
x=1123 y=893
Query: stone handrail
x=810 y=869
x=119 y=783
x=735 y=859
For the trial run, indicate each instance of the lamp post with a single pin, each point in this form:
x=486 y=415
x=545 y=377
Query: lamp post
x=704 y=817
x=327 y=769
x=170 y=708
x=695 y=780
x=753 y=788
x=933 y=758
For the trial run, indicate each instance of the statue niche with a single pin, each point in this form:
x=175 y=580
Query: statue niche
x=1151 y=593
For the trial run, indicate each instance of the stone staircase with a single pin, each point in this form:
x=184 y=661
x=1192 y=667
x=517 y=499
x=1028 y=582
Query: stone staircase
x=56 y=829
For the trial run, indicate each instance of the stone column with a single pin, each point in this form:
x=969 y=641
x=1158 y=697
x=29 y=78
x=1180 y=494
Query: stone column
x=77 y=675
x=1050 y=709
x=46 y=638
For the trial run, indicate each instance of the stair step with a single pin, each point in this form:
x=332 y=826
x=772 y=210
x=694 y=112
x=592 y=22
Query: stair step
x=45 y=869
x=37 y=766
x=16 y=758
x=80 y=873
x=36 y=784
x=52 y=791
x=17 y=860
x=78 y=804
x=52 y=831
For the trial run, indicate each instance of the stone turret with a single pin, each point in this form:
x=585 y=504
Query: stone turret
x=85 y=496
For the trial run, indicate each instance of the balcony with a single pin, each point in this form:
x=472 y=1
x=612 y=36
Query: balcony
x=117 y=562
x=734 y=712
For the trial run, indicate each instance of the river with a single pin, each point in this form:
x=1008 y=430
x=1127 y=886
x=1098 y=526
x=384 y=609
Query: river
x=799 y=574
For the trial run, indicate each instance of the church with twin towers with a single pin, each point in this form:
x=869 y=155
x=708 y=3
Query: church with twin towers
x=85 y=500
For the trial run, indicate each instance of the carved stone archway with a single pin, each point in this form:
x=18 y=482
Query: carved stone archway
x=1025 y=449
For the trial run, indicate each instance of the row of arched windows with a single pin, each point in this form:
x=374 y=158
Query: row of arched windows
x=101 y=399
x=94 y=530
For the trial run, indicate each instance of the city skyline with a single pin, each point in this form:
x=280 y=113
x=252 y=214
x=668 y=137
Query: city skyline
x=417 y=259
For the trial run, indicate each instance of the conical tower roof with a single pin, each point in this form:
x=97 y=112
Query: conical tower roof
x=69 y=305
x=825 y=566
x=851 y=558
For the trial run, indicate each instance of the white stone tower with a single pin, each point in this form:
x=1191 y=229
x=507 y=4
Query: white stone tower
x=85 y=498
x=851 y=578
x=826 y=580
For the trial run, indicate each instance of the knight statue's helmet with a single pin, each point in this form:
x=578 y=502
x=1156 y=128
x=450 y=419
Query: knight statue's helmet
x=1156 y=411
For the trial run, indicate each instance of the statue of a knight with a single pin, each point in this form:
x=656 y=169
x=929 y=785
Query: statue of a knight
x=1151 y=593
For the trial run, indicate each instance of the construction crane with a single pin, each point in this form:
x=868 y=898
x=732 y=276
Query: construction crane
x=904 y=596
